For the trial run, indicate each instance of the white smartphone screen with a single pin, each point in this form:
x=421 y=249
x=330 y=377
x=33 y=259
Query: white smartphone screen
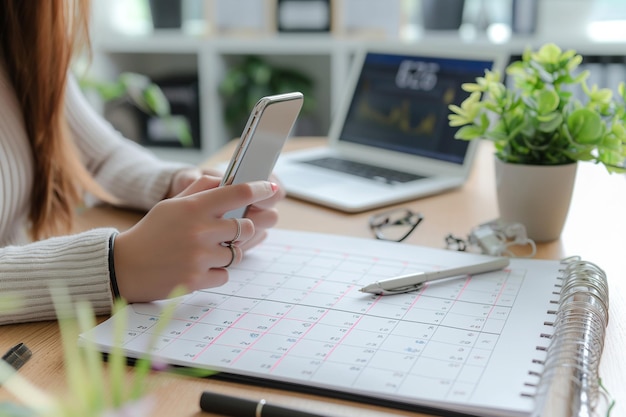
x=268 y=127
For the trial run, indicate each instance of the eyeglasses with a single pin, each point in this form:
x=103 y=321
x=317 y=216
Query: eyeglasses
x=455 y=243
x=394 y=225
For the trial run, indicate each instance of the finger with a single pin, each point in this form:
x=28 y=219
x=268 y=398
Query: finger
x=262 y=219
x=280 y=194
x=237 y=230
x=213 y=278
x=258 y=237
x=212 y=172
x=231 y=254
x=224 y=199
x=228 y=231
x=270 y=202
x=204 y=183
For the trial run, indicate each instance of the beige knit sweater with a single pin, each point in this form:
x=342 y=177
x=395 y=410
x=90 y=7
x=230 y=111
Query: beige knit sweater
x=79 y=262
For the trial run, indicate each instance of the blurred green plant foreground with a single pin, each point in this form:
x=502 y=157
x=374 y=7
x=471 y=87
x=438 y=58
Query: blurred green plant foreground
x=95 y=387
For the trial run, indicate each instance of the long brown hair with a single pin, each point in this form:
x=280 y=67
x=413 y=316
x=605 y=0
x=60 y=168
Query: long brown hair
x=38 y=39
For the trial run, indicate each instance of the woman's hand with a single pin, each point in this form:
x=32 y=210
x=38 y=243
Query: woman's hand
x=262 y=213
x=185 y=177
x=180 y=241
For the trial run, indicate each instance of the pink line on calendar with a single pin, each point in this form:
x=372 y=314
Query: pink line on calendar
x=292 y=312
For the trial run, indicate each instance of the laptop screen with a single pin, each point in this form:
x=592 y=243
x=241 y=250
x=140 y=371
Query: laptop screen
x=400 y=103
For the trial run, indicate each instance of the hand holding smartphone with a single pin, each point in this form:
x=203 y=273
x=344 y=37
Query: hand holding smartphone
x=268 y=127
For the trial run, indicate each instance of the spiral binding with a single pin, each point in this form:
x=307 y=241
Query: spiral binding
x=569 y=384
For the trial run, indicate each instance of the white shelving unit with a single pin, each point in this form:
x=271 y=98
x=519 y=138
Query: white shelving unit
x=325 y=57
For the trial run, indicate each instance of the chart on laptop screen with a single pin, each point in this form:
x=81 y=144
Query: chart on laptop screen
x=401 y=103
x=390 y=140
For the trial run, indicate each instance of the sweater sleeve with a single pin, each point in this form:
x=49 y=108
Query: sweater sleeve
x=125 y=169
x=77 y=262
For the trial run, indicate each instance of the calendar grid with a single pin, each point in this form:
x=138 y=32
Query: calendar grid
x=292 y=312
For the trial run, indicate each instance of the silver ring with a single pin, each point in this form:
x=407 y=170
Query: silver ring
x=233 y=254
x=238 y=233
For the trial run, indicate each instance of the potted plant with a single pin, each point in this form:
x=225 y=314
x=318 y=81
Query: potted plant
x=140 y=92
x=547 y=119
x=253 y=78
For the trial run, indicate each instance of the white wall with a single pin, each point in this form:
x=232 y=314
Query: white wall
x=564 y=20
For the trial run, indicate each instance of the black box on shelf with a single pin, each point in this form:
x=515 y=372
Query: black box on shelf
x=183 y=94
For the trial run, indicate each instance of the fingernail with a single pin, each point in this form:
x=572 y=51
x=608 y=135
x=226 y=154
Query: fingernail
x=274 y=186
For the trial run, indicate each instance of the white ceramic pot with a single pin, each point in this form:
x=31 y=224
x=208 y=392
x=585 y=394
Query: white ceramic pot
x=538 y=196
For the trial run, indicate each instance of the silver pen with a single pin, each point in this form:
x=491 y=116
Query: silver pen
x=413 y=282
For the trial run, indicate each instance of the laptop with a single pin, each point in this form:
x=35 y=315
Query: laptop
x=390 y=141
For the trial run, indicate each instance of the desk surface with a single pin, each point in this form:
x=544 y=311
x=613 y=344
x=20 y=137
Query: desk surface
x=595 y=229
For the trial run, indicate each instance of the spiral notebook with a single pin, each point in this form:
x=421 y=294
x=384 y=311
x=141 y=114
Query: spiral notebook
x=524 y=341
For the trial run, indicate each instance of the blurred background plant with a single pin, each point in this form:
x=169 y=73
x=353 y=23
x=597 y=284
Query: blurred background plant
x=252 y=78
x=139 y=90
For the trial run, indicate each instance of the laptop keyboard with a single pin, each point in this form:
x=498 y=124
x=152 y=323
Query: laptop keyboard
x=390 y=176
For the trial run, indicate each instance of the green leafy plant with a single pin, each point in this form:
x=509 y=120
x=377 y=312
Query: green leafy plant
x=141 y=92
x=539 y=120
x=95 y=388
x=253 y=78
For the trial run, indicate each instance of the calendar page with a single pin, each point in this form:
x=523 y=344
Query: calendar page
x=292 y=312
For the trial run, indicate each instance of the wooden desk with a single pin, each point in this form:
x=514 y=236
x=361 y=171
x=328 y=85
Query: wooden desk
x=595 y=229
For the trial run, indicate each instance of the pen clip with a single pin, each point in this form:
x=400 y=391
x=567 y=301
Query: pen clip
x=400 y=290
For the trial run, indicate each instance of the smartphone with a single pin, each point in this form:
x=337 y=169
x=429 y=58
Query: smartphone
x=268 y=127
